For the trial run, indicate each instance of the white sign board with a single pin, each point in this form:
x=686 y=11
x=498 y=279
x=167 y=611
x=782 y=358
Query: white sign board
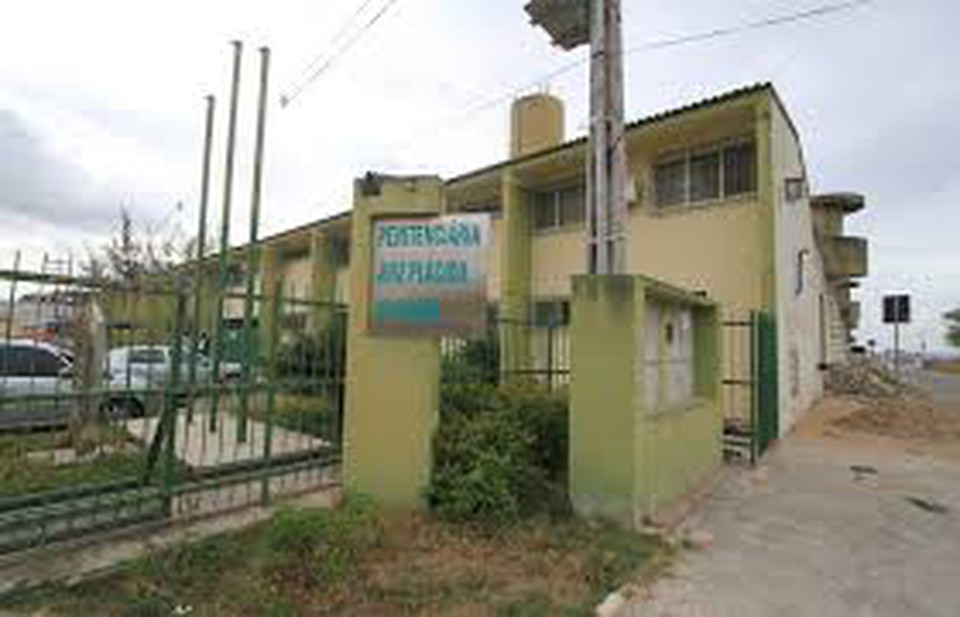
x=430 y=274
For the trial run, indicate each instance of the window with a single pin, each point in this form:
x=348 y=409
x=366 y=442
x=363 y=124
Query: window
x=706 y=175
x=572 y=205
x=295 y=321
x=30 y=362
x=551 y=312
x=545 y=211
x=739 y=169
x=558 y=207
x=236 y=276
x=148 y=355
x=340 y=250
x=794 y=189
x=671 y=183
x=668 y=357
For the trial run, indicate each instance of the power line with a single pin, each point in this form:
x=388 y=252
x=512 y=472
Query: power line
x=344 y=29
x=678 y=41
x=315 y=69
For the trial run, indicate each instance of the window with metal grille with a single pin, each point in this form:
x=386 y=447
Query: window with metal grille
x=706 y=175
x=671 y=183
x=553 y=312
x=668 y=356
x=560 y=207
x=739 y=169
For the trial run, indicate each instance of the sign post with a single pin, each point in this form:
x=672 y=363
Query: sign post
x=896 y=311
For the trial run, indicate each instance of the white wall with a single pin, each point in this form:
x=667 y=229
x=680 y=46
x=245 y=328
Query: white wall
x=799 y=333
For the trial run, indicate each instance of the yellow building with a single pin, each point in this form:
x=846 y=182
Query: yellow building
x=719 y=204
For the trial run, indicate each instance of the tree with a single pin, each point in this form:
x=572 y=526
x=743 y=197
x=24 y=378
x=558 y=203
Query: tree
x=136 y=252
x=953 y=327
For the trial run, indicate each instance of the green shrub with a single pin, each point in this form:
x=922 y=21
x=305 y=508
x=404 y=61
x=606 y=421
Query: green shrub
x=318 y=547
x=471 y=362
x=499 y=454
x=314 y=356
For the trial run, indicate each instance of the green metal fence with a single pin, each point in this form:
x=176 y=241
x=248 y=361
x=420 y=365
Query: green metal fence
x=118 y=405
x=509 y=350
x=750 y=401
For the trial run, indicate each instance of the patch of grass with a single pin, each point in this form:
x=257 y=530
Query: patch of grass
x=19 y=474
x=356 y=559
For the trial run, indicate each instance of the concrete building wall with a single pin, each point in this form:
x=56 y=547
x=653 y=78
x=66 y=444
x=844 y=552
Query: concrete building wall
x=800 y=282
x=709 y=248
x=494 y=267
x=296 y=275
x=342 y=294
x=556 y=256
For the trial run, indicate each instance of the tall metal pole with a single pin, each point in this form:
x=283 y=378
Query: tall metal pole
x=607 y=160
x=201 y=245
x=225 y=225
x=253 y=250
x=896 y=349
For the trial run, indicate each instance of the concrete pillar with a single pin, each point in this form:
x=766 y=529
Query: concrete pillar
x=268 y=281
x=767 y=194
x=393 y=382
x=323 y=278
x=630 y=460
x=515 y=271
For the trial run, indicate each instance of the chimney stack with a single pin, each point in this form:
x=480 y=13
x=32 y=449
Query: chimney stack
x=536 y=124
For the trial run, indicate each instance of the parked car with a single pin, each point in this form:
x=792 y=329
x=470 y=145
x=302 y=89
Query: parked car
x=32 y=376
x=137 y=374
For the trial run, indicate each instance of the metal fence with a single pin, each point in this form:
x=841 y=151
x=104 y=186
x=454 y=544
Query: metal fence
x=749 y=381
x=509 y=350
x=121 y=402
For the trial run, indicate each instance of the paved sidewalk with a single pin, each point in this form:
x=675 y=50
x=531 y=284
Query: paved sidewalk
x=804 y=534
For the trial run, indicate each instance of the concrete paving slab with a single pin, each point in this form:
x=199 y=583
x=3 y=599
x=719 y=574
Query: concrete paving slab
x=810 y=532
x=199 y=447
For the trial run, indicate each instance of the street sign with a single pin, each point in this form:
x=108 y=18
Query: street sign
x=430 y=275
x=896 y=309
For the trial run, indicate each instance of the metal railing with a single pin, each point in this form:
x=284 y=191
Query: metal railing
x=112 y=411
x=509 y=350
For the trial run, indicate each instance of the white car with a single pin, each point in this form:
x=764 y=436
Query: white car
x=36 y=382
x=137 y=374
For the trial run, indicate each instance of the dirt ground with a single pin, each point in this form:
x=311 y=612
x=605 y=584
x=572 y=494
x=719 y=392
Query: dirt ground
x=913 y=423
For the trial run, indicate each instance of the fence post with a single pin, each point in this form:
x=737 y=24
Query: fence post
x=393 y=382
x=272 y=376
x=550 y=331
x=171 y=400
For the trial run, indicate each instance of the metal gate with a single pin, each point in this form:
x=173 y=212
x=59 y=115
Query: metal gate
x=118 y=405
x=750 y=399
x=510 y=349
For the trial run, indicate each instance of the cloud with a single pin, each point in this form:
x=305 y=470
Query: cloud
x=37 y=184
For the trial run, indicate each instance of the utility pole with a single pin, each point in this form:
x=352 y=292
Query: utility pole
x=572 y=23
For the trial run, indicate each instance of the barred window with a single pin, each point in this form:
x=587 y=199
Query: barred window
x=706 y=175
x=558 y=207
x=668 y=357
x=671 y=183
x=739 y=169
x=554 y=312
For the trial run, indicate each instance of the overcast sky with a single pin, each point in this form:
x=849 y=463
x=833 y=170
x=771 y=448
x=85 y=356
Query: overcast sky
x=101 y=105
